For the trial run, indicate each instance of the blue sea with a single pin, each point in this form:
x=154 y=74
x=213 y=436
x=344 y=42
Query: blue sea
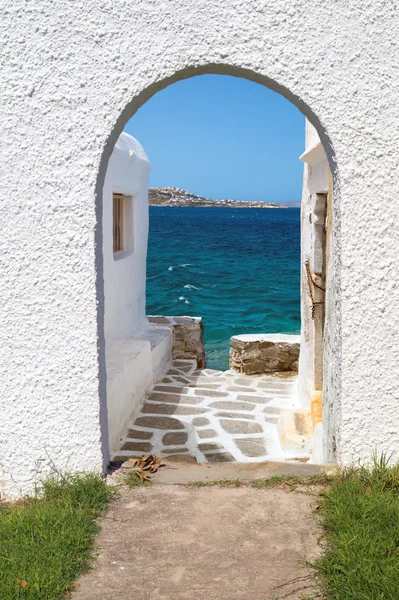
x=237 y=268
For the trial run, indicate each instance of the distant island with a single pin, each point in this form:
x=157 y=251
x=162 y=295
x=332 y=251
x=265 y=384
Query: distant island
x=172 y=196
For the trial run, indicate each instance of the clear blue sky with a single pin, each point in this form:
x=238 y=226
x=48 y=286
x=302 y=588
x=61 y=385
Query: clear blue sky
x=223 y=137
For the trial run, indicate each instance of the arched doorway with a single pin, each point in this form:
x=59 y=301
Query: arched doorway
x=317 y=273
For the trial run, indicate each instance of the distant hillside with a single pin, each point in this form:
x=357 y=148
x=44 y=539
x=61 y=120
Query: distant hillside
x=171 y=196
x=293 y=204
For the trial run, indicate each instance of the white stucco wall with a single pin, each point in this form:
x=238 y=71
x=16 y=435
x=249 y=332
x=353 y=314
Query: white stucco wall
x=129 y=363
x=72 y=74
x=125 y=273
x=312 y=372
x=315 y=181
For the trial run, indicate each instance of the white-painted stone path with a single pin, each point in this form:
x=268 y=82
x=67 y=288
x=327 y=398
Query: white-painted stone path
x=212 y=416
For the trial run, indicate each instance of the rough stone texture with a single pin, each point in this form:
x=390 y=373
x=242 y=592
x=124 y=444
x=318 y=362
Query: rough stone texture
x=231 y=415
x=210 y=392
x=175 y=438
x=252 y=447
x=137 y=446
x=188 y=337
x=240 y=426
x=271 y=410
x=219 y=457
x=174 y=399
x=249 y=542
x=256 y=399
x=228 y=424
x=210 y=446
x=200 y=422
x=159 y=422
x=264 y=353
x=181 y=458
x=67 y=90
x=232 y=405
x=139 y=435
x=170 y=409
x=169 y=389
x=206 y=433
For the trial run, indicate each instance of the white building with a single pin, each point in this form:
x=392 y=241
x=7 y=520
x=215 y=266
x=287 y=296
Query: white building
x=125 y=236
x=136 y=352
x=316 y=275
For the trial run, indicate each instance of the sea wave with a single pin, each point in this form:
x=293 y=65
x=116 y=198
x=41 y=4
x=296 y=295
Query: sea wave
x=172 y=268
x=189 y=286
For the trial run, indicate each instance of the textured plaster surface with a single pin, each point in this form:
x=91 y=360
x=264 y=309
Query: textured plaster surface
x=129 y=377
x=133 y=366
x=315 y=180
x=72 y=74
x=125 y=272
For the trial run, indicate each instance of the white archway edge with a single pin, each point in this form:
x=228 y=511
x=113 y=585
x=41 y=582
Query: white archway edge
x=73 y=74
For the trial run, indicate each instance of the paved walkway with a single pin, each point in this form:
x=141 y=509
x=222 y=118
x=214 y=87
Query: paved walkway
x=211 y=416
x=173 y=542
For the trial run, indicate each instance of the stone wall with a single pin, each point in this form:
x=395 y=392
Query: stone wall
x=187 y=337
x=264 y=353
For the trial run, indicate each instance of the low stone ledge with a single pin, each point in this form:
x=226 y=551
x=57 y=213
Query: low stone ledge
x=187 y=337
x=254 y=354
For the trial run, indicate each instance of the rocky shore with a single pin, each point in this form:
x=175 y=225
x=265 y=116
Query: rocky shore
x=171 y=196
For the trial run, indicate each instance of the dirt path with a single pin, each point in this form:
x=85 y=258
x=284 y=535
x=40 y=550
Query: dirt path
x=173 y=542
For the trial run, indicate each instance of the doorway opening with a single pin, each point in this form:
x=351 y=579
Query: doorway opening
x=217 y=414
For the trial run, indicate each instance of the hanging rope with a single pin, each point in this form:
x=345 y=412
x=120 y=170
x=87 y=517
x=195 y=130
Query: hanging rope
x=311 y=283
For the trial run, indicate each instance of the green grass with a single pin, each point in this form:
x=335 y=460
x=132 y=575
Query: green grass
x=293 y=481
x=133 y=480
x=360 y=517
x=277 y=480
x=285 y=481
x=46 y=541
x=217 y=483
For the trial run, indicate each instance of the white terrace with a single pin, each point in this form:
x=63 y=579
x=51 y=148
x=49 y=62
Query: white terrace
x=215 y=416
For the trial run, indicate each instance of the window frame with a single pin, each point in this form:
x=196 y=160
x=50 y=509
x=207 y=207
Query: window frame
x=118 y=223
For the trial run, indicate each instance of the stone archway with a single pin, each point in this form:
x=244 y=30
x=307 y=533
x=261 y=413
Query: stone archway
x=323 y=348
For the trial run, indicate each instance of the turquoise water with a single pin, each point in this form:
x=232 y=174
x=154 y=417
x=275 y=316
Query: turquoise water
x=237 y=268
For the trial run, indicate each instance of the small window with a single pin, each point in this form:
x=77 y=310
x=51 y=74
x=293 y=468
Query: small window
x=118 y=222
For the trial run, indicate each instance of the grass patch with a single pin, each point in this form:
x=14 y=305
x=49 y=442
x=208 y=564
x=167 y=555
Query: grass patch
x=46 y=541
x=293 y=481
x=219 y=483
x=133 y=480
x=282 y=481
x=360 y=517
x=277 y=481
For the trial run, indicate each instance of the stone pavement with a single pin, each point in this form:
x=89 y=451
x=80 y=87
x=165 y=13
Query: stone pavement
x=211 y=416
x=174 y=542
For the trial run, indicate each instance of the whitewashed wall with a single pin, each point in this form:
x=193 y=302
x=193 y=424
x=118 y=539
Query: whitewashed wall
x=129 y=362
x=315 y=181
x=312 y=372
x=72 y=74
x=125 y=273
